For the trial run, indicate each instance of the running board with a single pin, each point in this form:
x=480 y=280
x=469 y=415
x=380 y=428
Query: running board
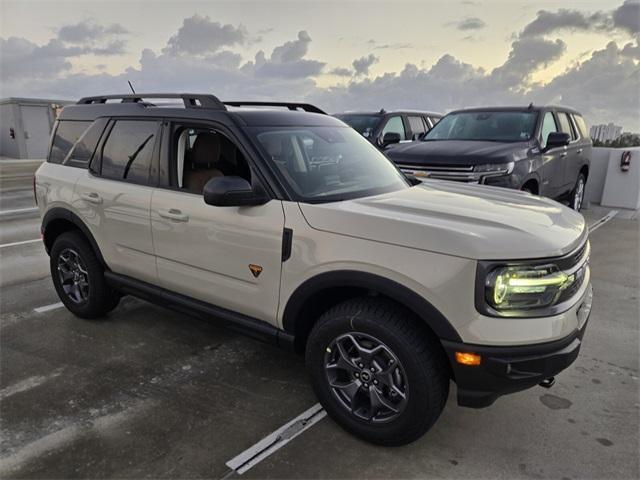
x=249 y=326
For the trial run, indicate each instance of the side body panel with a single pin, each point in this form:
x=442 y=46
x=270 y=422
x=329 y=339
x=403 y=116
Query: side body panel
x=205 y=252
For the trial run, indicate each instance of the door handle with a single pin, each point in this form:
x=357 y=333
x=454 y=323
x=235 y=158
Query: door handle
x=564 y=154
x=92 y=197
x=173 y=214
x=579 y=151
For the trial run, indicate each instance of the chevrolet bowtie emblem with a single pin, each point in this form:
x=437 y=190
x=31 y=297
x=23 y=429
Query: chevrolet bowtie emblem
x=255 y=269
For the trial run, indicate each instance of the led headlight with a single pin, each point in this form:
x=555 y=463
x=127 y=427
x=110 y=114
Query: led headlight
x=525 y=287
x=495 y=168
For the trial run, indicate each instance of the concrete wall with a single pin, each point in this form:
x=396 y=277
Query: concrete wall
x=608 y=185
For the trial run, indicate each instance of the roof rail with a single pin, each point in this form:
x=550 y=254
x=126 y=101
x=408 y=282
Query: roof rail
x=307 y=107
x=191 y=100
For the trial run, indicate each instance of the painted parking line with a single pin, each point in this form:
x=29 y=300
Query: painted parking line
x=24 y=242
x=18 y=212
x=598 y=223
x=276 y=440
x=46 y=308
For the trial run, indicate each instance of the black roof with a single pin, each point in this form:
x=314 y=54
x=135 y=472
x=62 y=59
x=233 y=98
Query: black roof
x=528 y=108
x=198 y=107
x=388 y=112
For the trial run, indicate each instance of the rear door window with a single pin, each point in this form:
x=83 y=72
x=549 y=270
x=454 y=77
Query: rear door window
x=85 y=146
x=395 y=125
x=548 y=126
x=417 y=126
x=565 y=124
x=67 y=134
x=128 y=151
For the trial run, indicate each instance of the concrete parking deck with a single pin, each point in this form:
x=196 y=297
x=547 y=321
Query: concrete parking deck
x=151 y=393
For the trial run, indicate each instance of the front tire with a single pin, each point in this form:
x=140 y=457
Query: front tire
x=375 y=372
x=78 y=277
x=577 y=195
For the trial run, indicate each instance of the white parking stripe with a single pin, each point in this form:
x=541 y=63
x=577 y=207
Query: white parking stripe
x=598 y=223
x=18 y=211
x=24 y=242
x=276 y=440
x=46 y=308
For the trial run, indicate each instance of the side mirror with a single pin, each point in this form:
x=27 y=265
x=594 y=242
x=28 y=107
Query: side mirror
x=390 y=138
x=232 y=192
x=557 y=139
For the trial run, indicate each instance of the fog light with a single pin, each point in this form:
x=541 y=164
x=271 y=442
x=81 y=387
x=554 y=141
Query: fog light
x=470 y=359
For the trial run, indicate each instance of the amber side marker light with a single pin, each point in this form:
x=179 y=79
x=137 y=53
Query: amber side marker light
x=470 y=359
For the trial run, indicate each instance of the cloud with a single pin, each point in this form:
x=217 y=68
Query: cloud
x=527 y=55
x=549 y=22
x=342 y=72
x=292 y=51
x=470 y=23
x=627 y=17
x=361 y=65
x=198 y=35
x=89 y=32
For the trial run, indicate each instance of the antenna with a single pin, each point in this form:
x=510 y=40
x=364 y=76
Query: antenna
x=530 y=106
x=131 y=87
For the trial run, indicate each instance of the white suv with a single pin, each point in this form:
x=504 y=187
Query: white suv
x=287 y=225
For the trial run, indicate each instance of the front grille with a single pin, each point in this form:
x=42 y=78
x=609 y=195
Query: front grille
x=445 y=172
x=576 y=263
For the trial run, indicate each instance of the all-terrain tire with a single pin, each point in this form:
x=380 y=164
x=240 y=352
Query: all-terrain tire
x=424 y=368
x=95 y=298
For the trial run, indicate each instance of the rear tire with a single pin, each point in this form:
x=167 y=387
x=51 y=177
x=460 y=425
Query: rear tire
x=391 y=397
x=577 y=195
x=78 y=277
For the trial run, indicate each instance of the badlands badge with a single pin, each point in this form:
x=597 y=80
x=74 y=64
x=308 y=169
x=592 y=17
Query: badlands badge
x=255 y=269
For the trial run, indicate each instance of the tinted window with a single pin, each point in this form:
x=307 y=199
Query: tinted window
x=582 y=126
x=565 y=124
x=127 y=153
x=67 y=134
x=490 y=126
x=86 y=145
x=548 y=126
x=395 y=125
x=434 y=120
x=364 y=124
x=417 y=126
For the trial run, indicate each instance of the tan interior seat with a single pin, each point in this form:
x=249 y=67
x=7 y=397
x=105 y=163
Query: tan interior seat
x=204 y=157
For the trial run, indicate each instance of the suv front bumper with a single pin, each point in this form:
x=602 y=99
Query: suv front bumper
x=510 y=369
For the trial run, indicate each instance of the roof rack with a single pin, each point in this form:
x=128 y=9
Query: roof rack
x=191 y=100
x=307 y=107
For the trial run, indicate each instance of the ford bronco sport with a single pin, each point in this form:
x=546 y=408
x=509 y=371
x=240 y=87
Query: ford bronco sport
x=287 y=225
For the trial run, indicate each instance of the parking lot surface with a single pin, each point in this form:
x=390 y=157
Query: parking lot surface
x=148 y=392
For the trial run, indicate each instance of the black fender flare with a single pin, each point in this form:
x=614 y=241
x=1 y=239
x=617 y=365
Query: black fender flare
x=59 y=213
x=430 y=315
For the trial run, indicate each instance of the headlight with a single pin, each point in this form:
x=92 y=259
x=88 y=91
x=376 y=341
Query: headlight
x=525 y=287
x=495 y=168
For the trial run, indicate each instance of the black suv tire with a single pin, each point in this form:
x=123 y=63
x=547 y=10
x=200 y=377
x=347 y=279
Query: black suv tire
x=78 y=277
x=413 y=362
x=577 y=194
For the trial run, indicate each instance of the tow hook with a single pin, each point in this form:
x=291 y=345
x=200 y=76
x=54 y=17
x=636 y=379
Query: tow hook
x=548 y=382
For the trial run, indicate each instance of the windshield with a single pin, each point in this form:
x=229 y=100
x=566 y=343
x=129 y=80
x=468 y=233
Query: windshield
x=504 y=126
x=363 y=124
x=325 y=164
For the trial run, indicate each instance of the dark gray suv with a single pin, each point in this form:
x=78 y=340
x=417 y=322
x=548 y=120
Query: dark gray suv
x=544 y=150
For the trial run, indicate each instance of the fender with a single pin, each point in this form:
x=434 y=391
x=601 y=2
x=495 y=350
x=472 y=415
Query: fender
x=351 y=278
x=59 y=213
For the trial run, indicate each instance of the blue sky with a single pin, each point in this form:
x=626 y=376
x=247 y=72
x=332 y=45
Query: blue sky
x=435 y=55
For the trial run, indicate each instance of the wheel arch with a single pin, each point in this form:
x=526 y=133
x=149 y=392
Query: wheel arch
x=325 y=290
x=60 y=220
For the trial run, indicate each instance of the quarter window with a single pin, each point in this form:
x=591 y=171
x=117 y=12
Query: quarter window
x=67 y=134
x=128 y=151
x=548 y=126
x=395 y=125
x=582 y=126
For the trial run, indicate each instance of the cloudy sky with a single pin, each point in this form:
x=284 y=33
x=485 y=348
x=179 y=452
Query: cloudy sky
x=435 y=55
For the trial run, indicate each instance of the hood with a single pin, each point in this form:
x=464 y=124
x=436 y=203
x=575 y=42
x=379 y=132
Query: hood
x=457 y=152
x=479 y=222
